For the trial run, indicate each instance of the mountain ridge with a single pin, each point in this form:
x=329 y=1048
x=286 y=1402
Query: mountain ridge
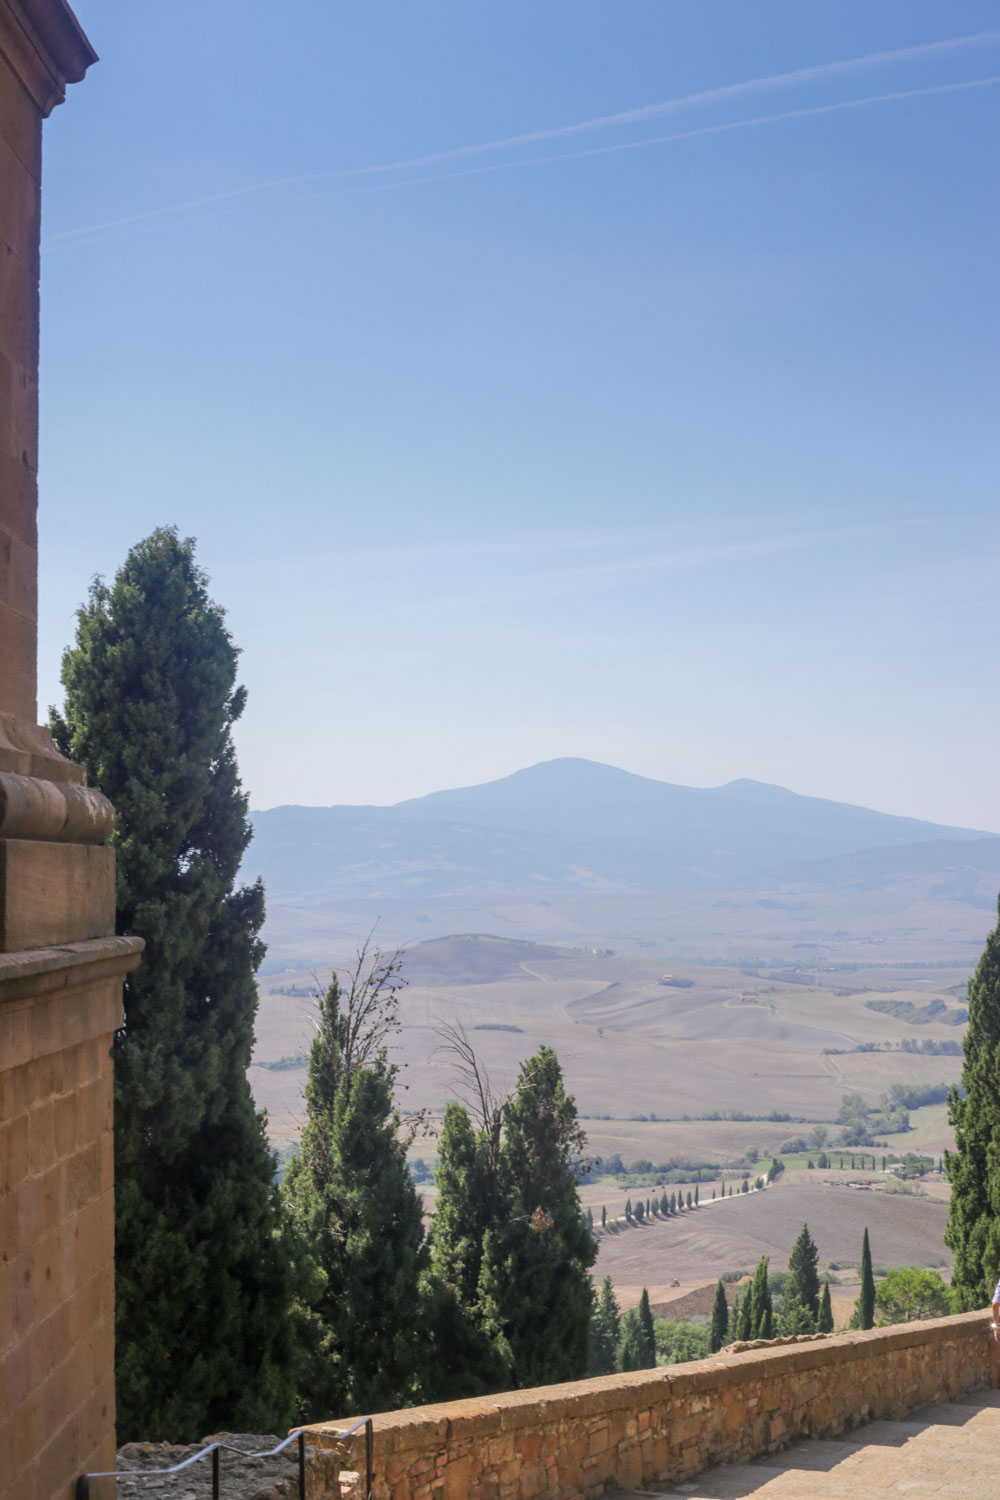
x=567 y=825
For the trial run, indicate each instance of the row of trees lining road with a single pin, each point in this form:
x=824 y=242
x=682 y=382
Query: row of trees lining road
x=241 y=1304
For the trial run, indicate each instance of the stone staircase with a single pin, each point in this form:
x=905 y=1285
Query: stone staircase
x=950 y=1450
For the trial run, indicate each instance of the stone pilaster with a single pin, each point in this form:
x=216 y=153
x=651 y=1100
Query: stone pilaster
x=61 y=965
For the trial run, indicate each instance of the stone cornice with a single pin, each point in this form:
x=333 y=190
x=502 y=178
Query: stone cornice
x=46 y=47
x=62 y=812
x=46 y=970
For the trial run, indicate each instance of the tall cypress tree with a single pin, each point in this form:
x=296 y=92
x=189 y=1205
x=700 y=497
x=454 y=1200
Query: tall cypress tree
x=824 y=1323
x=973 y=1228
x=743 y=1315
x=803 y=1273
x=604 y=1331
x=461 y=1359
x=864 y=1308
x=637 y=1349
x=534 y=1291
x=719 y=1333
x=630 y=1348
x=354 y=1204
x=761 y=1305
x=648 y=1332
x=203 y=1333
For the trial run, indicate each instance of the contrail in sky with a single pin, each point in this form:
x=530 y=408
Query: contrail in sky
x=822 y=72
x=700 y=130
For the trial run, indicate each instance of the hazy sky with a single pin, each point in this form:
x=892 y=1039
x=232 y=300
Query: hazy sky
x=608 y=379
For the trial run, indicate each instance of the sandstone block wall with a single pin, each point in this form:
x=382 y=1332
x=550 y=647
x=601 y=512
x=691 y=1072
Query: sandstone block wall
x=652 y=1427
x=59 y=1009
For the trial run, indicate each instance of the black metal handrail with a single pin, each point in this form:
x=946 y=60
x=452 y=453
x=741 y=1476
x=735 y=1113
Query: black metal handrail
x=215 y=1450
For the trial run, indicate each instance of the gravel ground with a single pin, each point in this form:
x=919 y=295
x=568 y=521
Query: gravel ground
x=243 y=1478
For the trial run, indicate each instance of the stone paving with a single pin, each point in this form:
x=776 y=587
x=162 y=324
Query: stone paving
x=950 y=1450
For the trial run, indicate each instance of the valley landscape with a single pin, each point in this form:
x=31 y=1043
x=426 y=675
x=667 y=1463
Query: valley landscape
x=704 y=1004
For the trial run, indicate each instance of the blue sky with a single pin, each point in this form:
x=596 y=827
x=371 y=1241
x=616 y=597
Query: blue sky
x=667 y=440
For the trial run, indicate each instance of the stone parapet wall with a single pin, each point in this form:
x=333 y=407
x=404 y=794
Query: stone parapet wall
x=567 y=1442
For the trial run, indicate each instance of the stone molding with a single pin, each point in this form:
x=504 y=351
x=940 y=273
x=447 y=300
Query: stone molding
x=62 y=812
x=45 y=46
x=27 y=749
x=657 y=1427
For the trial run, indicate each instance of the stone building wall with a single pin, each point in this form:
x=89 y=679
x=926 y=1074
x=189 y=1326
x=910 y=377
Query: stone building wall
x=657 y=1427
x=61 y=967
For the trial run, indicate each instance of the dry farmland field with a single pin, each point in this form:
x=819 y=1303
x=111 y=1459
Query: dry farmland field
x=648 y=1049
x=733 y=1233
x=639 y=1039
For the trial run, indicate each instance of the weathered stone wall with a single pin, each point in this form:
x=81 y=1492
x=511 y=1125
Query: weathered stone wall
x=661 y=1426
x=59 y=1009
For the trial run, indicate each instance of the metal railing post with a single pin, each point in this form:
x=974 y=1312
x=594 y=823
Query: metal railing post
x=369 y=1457
x=302 y=1466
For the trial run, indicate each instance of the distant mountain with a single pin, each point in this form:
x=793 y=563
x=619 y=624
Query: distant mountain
x=561 y=827
x=966 y=870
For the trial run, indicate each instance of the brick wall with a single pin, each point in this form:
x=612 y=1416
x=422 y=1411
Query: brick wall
x=58 y=1011
x=565 y=1442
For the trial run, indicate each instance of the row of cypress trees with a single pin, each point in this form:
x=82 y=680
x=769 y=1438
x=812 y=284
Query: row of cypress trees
x=242 y=1303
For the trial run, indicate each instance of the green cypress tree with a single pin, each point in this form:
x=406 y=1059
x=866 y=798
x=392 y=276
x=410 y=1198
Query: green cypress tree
x=604 y=1216
x=803 y=1273
x=535 y=1290
x=463 y=1206
x=647 y=1333
x=719 y=1333
x=824 y=1323
x=353 y=1202
x=689 y=1201
x=743 y=1314
x=673 y=1203
x=864 y=1308
x=696 y=1195
x=605 y=1331
x=640 y=1212
x=973 y=1168
x=795 y=1318
x=630 y=1348
x=628 y=1209
x=762 y=1307
x=590 y=1220
x=204 y=1278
